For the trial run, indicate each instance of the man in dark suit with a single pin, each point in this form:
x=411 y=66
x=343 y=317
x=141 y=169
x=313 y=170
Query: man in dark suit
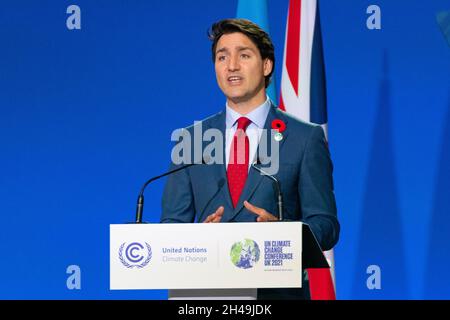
x=233 y=191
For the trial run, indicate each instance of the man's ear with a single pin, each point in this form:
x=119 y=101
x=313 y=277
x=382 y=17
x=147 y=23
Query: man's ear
x=267 y=66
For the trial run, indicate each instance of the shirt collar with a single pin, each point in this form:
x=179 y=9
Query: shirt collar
x=257 y=116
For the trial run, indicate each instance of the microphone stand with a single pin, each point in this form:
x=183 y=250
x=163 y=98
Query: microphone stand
x=140 y=200
x=278 y=190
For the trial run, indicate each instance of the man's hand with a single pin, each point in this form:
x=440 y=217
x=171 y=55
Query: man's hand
x=263 y=215
x=216 y=216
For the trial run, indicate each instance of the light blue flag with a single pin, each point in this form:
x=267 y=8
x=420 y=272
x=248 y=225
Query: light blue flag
x=443 y=19
x=256 y=11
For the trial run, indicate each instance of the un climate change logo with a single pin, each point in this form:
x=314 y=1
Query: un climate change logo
x=245 y=254
x=135 y=254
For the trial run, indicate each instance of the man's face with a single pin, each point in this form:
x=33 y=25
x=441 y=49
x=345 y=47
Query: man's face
x=240 y=70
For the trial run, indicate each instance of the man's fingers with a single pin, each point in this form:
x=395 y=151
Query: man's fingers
x=220 y=211
x=216 y=216
x=254 y=209
x=263 y=215
x=209 y=218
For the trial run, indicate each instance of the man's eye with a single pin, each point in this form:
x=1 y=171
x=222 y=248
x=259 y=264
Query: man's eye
x=221 y=58
x=245 y=56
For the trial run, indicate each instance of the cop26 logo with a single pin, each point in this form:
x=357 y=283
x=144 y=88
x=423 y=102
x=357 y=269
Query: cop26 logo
x=245 y=254
x=135 y=254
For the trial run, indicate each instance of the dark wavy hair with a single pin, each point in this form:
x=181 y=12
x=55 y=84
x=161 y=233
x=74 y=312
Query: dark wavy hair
x=257 y=35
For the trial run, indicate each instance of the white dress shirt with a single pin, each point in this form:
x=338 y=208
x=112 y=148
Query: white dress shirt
x=254 y=130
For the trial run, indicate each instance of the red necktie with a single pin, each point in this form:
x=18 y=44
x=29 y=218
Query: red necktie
x=238 y=165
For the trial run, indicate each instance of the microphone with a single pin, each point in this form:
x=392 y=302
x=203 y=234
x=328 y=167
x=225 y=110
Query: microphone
x=276 y=183
x=140 y=201
x=220 y=184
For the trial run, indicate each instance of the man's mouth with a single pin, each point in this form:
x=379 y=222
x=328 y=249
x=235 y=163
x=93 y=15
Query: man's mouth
x=234 y=80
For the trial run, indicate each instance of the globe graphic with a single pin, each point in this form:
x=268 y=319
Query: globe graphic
x=245 y=254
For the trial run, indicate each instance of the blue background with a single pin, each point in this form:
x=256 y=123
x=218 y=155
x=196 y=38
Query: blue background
x=86 y=117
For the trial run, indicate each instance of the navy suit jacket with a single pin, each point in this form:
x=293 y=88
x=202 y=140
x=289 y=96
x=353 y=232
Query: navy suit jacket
x=305 y=175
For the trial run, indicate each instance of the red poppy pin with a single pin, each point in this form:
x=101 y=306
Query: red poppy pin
x=279 y=126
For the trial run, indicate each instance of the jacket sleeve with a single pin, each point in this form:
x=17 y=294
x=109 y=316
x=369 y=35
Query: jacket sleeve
x=316 y=190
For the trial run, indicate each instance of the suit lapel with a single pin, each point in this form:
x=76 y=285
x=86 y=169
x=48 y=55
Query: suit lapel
x=219 y=170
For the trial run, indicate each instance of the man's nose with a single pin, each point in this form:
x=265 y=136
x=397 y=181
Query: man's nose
x=233 y=63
